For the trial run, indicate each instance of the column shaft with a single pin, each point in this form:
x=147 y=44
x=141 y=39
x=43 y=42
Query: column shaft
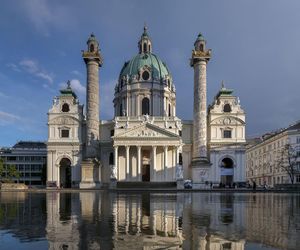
x=153 y=163
x=116 y=161
x=127 y=164
x=199 y=122
x=165 y=162
x=139 y=149
x=92 y=107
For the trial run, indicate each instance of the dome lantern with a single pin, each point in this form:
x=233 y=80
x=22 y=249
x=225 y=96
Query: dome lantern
x=145 y=44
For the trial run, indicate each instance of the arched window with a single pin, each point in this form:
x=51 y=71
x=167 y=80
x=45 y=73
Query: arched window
x=92 y=48
x=145 y=75
x=227 y=108
x=145 y=106
x=201 y=47
x=121 y=109
x=65 y=107
x=169 y=109
x=145 y=47
x=111 y=159
x=149 y=48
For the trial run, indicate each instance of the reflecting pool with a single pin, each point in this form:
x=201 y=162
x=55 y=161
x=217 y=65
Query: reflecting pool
x=106 y=220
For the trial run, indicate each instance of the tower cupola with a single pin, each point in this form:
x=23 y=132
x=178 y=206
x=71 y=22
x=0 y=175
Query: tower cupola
x=93 y=45
x=145 y=44
x=200 y=43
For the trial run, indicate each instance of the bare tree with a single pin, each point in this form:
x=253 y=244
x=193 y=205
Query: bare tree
x=287 y=161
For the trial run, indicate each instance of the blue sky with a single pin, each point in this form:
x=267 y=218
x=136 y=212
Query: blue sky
x=255 y=46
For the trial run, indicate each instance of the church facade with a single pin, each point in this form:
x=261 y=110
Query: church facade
x=145 y=142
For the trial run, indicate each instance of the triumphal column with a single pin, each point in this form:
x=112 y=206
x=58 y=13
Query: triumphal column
x=90 y=174
x=200 y=161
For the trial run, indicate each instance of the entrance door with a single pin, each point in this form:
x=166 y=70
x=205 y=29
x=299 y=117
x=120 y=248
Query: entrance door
x=65 y=173
x=146 y=173
x=227 y=172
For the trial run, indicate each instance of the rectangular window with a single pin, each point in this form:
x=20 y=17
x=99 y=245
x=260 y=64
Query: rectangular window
x=298 y=178
x=65 y=133
x=298 y=140
x=227 y=134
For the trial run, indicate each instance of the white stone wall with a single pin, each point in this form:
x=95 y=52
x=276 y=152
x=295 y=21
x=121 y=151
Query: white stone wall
x=238 y=157
x=59 y=147
x=132 y=94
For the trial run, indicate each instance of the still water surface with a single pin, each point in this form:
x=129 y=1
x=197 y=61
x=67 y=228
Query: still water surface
x=103 y=220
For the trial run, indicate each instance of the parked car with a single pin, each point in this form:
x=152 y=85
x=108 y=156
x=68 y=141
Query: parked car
x=188 y=184
x=241 y=184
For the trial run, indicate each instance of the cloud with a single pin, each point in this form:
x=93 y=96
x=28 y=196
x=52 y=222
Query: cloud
x=32 y=67
x=3 y=95
x=45 y=15
x=76 y=86
x=8 y=118
x=76 y=72
x=13 y=66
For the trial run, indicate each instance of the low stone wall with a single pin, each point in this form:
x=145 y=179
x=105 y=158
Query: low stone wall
x=287 y=186
x=13 y=186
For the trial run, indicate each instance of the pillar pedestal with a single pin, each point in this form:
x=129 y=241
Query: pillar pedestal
x=200 y=173
x=90 y=174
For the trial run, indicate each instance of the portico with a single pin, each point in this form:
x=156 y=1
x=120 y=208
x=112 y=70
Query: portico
x=152 y=157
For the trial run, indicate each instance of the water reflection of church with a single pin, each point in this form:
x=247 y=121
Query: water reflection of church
x=102 y=220
x=140 y=222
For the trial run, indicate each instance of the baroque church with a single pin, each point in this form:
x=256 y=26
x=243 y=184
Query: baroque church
x=145 y=143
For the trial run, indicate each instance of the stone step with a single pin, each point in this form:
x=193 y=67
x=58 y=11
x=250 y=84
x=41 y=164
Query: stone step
x=140 y=184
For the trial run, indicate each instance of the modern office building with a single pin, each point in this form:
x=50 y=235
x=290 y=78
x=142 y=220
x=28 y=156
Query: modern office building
x=30 y=160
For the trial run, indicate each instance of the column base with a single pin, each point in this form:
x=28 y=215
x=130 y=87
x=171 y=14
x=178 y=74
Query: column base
x=89 y=185
x=90 y=174
x=179 y=184
x=113 y=184
x=200 y=173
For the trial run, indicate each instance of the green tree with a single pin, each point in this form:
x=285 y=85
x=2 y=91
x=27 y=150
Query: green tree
x=1 y=168
x=12 y=172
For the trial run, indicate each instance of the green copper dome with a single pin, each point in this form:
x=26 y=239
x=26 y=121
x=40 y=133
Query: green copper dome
x=158 y=68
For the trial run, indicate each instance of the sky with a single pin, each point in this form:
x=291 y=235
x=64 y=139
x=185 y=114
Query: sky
x=255 y=50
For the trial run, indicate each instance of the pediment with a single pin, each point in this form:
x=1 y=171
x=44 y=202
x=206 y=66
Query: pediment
x=147 y=130
x=63 y=120
x=227 y=120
